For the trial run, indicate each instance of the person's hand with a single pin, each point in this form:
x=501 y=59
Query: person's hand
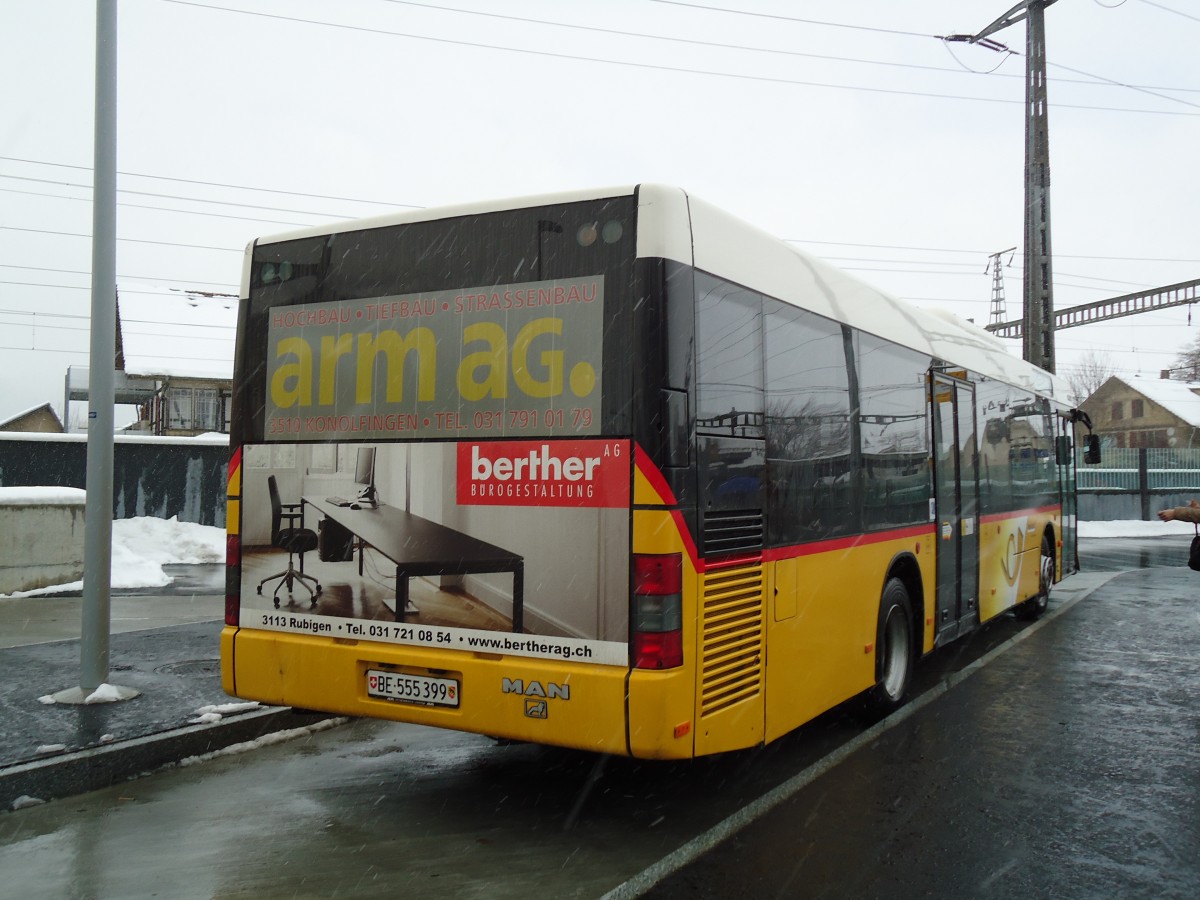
x=1194 y=503
x=1168 y=514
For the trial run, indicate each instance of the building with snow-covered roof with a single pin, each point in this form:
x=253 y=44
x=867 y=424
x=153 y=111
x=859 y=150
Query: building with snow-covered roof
x=1134 y=411
x=38 y=419
x=174 y=359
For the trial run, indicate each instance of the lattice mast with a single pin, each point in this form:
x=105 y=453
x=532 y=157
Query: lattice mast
x=1038 y=319
x=998 y=310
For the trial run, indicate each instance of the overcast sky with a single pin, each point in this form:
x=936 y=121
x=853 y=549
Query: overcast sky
x=845 y=127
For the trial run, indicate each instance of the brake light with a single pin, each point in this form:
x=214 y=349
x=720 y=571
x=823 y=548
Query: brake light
x=657 y=610
x=233 y=571
x=658 y=651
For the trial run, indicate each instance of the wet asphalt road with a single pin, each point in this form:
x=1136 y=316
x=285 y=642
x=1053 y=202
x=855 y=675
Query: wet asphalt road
x=1069 y=766
x=1118 y=554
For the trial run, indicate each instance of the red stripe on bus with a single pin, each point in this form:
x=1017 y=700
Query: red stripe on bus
x=730 y=562
x=857 y=540
x=651 y=473
x=666 y=496
x=685 y=535
x=235 y=463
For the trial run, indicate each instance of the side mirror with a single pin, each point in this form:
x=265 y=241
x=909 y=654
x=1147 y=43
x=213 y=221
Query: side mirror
x=1091 y=453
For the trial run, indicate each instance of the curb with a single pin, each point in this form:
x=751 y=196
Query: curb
x=94 y=768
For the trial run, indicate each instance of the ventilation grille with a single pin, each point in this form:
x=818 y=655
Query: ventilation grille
x=732 y=532
x=731 y=637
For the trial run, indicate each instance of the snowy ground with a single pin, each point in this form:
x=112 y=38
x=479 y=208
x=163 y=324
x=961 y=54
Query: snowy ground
x=142 y=546
x=1133 y=528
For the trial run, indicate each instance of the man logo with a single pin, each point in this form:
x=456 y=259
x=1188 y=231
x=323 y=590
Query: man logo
x=536 y=709
x=549 y=691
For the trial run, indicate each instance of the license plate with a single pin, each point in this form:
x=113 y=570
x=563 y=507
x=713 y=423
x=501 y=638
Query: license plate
x=412 y=688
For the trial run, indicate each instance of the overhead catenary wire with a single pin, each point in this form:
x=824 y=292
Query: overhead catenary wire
x=120 y=278
x=128 y=239
x=220 y=184
x=577 y=57
x=166 y=209
x=723 y=45
x=1166 y=8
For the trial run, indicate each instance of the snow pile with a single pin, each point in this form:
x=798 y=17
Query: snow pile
x=105 y=693
x=206 y=715
x=153 y=543
x=142 y=546
x=267 y=740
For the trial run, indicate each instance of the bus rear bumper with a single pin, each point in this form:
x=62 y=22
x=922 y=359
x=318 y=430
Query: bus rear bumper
x=577 y=705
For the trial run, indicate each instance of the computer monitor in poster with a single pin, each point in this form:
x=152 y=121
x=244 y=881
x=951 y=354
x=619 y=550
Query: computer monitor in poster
x=364 y=474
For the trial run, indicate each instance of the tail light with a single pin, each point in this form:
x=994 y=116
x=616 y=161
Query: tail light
x=233 y=571
x=657 y=611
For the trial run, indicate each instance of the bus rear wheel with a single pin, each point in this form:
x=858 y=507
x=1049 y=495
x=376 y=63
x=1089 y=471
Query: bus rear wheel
x=1035 y=606
x=894 y=655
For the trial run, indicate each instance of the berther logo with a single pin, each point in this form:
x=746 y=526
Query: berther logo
x=544 y=473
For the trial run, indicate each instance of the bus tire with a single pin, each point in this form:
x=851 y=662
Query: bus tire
x=895 y=658
x=1035 y=606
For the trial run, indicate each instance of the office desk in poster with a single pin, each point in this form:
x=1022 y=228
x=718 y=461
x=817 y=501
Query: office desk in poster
x=419 y=546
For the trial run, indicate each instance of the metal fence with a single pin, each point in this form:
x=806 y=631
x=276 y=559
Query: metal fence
x=152 y=476
x=1141 y=469
x=1136 y=483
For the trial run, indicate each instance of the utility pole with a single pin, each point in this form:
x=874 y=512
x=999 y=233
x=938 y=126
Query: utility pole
x=998 y=311
x=98 y=511
x=1038 y=331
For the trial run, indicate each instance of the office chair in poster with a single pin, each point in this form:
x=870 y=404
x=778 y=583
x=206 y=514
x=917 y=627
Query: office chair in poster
x=296 y=541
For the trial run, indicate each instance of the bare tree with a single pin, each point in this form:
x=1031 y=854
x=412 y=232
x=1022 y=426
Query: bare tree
x=1093 y=370
x=1187 y=363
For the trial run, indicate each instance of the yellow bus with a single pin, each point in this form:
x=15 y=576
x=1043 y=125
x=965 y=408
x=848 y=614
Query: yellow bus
x=614 y=470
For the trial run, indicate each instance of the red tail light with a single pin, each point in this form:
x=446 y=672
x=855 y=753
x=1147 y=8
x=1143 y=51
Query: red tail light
x=657 y=611
x=657 y=573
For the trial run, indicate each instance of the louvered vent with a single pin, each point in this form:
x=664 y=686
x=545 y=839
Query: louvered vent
x=732 y=532
x=732 y=637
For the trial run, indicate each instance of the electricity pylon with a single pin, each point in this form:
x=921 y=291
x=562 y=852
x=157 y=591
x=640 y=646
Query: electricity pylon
x=1038 y=318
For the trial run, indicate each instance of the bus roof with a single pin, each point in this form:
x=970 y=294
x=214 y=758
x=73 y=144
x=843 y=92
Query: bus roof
x=676 y=225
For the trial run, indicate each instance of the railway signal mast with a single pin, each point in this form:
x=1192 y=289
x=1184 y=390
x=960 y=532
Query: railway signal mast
x=1038 y=319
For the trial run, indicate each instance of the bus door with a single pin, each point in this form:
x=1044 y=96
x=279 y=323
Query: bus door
x=956 y=504
x=1065 y=460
